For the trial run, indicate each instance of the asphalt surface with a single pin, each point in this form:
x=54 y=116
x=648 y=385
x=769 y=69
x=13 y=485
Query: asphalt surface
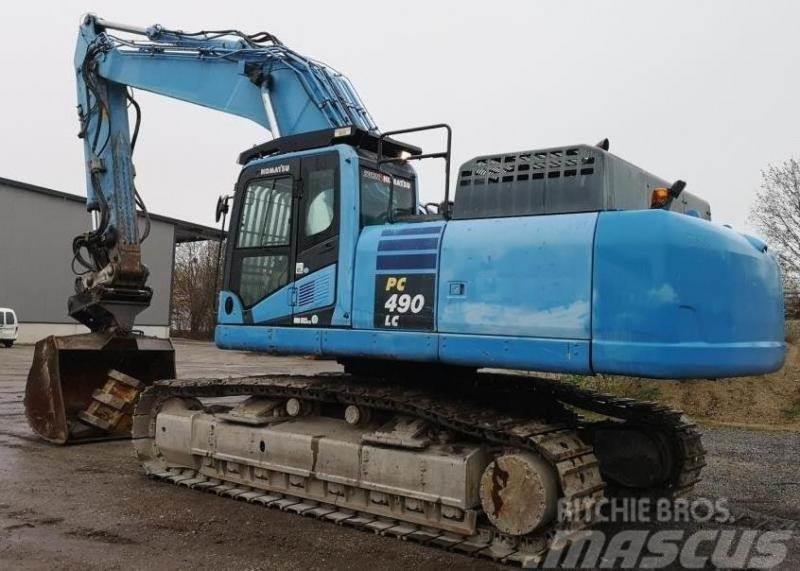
x=90 y=507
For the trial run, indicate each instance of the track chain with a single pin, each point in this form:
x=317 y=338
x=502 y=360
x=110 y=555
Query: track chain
x=573 y=460
x=557 y=441
x=684 y=436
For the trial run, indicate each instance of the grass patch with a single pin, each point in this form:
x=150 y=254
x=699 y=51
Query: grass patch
x=580 y=381
x=792 y=413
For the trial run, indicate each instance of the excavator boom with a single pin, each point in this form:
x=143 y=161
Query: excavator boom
x=252 y=76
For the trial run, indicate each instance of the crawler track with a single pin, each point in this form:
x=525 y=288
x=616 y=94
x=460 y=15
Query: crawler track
x=682 y=436
x=553 y=433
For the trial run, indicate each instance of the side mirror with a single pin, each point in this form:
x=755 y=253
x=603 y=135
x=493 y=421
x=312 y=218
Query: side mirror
x=222 y=207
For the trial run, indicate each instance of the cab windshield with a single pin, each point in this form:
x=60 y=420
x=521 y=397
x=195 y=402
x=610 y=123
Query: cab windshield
x=375 y=197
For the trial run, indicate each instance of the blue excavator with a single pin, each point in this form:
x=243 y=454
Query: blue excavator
x=562 y=260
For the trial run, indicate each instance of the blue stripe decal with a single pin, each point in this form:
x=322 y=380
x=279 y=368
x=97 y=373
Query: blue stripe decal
x=408 y=244
x=413 y=231
x=407 y=262
x=405 y=272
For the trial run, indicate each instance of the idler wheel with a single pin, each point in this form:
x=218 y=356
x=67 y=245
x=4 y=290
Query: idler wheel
x=519 y=493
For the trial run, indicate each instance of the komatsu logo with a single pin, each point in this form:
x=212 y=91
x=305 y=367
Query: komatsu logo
x=277 y=169
x=384 y=178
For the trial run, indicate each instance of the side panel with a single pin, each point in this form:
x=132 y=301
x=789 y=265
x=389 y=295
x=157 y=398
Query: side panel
x=309 y=293
x=676 y=296
x=407 y=346
x=400 y=345
x=553 y=355
x=276 y=304
x=314 y=292
x=526 y=277
x=556 y=355
x=264 y=339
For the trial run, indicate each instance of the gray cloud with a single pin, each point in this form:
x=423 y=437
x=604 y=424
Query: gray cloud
x=704 y=91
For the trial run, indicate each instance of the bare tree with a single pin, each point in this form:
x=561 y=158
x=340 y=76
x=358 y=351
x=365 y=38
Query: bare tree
x=776 y=212
x=194 y=289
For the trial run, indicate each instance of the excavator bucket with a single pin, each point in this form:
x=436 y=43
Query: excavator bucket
x=73 y=378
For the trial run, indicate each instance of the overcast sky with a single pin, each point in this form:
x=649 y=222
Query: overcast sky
x=703 y=91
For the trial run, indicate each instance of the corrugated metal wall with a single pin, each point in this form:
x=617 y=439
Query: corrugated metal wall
x=36 y=232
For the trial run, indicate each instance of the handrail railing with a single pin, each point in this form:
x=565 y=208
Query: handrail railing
x=445 y=211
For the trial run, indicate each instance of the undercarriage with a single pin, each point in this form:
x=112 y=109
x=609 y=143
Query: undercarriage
x=502 y=472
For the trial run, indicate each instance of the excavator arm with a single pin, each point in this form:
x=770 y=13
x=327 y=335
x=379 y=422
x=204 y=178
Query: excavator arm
x=252 y=76
x=81 y=387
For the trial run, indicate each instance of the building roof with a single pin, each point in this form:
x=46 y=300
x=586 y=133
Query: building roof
x=184 y=231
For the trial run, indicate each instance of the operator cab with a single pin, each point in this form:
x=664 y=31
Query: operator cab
x=299 y=200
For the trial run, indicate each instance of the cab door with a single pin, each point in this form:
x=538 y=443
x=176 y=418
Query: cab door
x=282 y=263
x=316 y=244
x=261 y=256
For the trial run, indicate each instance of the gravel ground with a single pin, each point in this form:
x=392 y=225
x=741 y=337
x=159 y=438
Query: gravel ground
x=89 y=506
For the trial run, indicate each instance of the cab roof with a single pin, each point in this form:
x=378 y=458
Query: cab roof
x=353 y=136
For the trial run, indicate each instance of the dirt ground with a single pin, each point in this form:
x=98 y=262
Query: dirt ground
x=765 y=402
x=89 y=506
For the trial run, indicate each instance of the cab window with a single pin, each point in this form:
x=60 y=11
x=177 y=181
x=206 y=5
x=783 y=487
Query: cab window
x=261 y=259
x=266 y=213
x=375 y=197
x=319 y=210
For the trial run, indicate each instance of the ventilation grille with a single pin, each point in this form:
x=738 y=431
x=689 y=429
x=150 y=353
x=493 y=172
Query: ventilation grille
x=314 y=292
x=532 y=165
x=543 y=181
x=305 y=294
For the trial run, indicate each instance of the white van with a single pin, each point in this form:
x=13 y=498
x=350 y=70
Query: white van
x=8 y=326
